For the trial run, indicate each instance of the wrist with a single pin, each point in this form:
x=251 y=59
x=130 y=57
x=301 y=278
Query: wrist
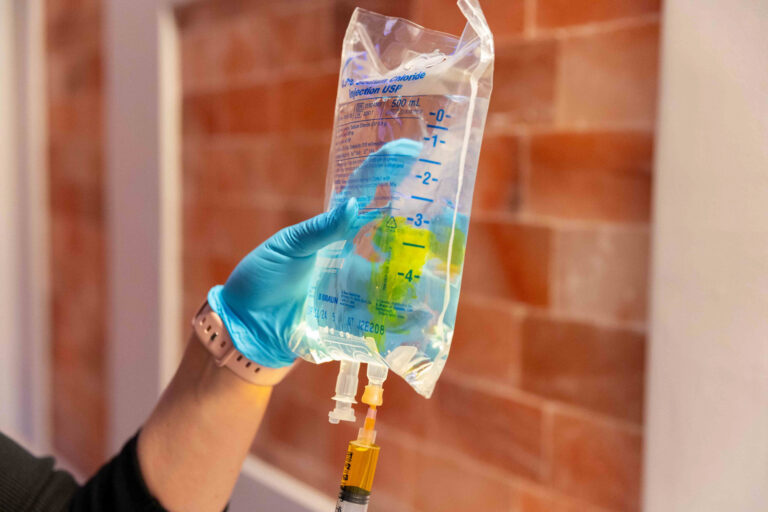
x=246 y=334
x=215 y=337
x=212 y=379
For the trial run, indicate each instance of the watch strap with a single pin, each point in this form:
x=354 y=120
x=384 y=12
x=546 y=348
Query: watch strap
x=213 y=334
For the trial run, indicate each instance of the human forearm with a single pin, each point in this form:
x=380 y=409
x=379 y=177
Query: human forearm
x=191 y=448
x=193 y=444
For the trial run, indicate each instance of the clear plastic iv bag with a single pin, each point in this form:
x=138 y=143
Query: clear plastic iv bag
x=410 y=112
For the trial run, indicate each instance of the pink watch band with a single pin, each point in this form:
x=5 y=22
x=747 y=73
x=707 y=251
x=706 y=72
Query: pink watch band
x=212 y=333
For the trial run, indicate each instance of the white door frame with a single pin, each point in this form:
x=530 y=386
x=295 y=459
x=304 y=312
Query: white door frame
x=706 y=442
x=24 y=220
x=144 y=229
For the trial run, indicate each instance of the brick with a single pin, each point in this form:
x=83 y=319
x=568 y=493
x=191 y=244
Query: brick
x=233 y=231
x=609 y=77
x=228 y=173
x=508 y=261
x=486 y=342
x=602 y=274
x=597 y=462
x=525 y=80
x=75 y=240
x=493 y=430
x=563 y=13
x=501 y=432
x=75 y=72
x=313 y=385
x=78 y=350
x=505 y=17
x=78 y=416
x=398 y=474
x=497 y=188
x=591 y=176
x=75 y=177
x=288 y=423
x=404 y=410
x=300 y=105
x=225 y=52
x=298 y=438
x=253 y=109
x=77 y=117
x=201 y=15
x=56 y=8
x=307 y=104
x=527 y=500
x=247 y=171
x=249 y=110
x=292 y=44
x=73 y=27
x=440 y=15
x=297 y=166
x=201 y=272
x=446 y=485
x=597 y=368
x=77 y=243
x=78 y=289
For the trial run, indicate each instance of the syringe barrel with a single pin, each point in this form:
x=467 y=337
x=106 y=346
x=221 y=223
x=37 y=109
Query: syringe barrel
x=360 y=466
x=343 y=505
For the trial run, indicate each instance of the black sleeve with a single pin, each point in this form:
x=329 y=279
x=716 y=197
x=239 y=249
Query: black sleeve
x=30 y=484
x=117 y=487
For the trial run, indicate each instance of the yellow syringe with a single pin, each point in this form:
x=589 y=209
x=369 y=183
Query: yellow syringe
x=361 y=459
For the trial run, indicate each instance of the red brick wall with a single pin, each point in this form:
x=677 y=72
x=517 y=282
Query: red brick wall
x=540 y=407
x=73 y=65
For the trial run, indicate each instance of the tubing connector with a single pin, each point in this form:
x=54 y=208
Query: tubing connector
x=374 y=392
x=346 y=389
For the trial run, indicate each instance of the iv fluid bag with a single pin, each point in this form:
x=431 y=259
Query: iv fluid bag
x=410 y=113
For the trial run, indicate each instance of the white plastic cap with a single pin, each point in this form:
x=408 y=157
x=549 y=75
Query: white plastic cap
x=342 y=412
x=346 y=389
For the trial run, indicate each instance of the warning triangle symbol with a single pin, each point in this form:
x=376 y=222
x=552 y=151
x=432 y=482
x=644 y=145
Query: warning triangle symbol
x=391 y=224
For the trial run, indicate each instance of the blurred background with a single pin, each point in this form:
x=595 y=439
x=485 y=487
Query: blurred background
x=541 y=406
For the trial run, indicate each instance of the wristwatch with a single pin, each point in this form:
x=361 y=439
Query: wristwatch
x=212 y=333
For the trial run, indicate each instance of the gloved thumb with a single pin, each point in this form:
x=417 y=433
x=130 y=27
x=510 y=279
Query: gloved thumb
x=308 y=237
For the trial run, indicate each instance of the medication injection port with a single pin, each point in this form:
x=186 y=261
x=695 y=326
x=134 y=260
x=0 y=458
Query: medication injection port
x=374 y=392
x=346 y=389
x=363 y=453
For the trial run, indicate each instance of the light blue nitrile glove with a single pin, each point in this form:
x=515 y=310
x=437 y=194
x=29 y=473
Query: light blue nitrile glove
x=262 y=301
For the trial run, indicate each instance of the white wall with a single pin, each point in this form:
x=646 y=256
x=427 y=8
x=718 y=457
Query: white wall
x=707 y=411
x=24 y=311
x=9 y=406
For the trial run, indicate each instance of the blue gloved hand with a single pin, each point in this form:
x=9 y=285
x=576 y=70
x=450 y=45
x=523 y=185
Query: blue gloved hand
x=262 y=301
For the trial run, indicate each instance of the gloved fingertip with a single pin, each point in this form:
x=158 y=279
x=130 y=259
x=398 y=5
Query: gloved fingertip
x=351 y=208
x=344 y=214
